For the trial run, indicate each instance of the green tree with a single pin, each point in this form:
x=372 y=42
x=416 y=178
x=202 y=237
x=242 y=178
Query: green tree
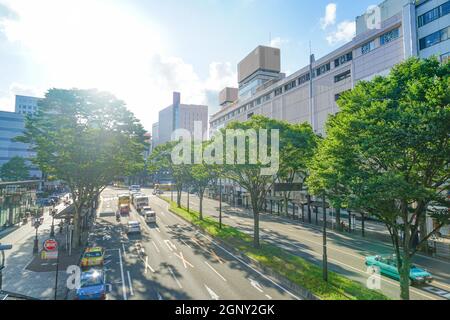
x=87 y=139
x=253 y=176
x=161 y=161
x=388 y=153
x=15 y=169
x=298 y=143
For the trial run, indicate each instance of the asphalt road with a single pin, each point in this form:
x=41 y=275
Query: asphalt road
x=171 y=260
x=346 y=253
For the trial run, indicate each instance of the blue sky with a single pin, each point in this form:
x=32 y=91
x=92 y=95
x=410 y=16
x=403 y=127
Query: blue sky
x=142 y=50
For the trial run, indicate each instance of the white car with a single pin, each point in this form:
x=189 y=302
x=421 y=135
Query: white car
x=133 y=227
x=149 y=215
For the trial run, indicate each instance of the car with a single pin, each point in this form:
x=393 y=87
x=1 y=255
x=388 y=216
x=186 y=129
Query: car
x=92 y=285
x=149 y=215
x=387 y=265
x=135 y=187
x=133 y=227
x=93 y=257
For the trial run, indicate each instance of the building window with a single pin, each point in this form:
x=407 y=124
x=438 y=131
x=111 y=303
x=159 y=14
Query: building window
x=343 y=59
x=266 y=97
x=445 y=58
x=290 y=85
x=434 y=14
x=304 y=78
x=250 y=115
x=342 y=76
x=370 y=46
x=389 y=36
x=323 y=69
x=278 y=91
x=434 y=38
x=338 y=95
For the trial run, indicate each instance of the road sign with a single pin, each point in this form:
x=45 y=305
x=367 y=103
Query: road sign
x=49 y=255
x=50 y=245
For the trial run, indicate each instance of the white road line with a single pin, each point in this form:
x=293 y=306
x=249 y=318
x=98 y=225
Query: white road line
x=255 y=284
x=175 y=278
x=213 y=295
x=124 y=251
x=130 y=283
x=185 y=262
x=268 y=297
x=154 y=244
x=124 y=289
x=157 y=229
x=184 y=242
x=216 y=271
x=159 y=296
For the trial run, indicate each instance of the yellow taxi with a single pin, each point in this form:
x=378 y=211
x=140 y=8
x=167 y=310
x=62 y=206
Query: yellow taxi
x=93 y=257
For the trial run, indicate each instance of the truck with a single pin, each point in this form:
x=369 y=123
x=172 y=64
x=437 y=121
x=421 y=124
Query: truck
x=149 y=215
x=124 y=204
x=140 y=201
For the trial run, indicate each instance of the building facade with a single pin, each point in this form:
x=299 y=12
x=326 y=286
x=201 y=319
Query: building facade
x=26 y=104
x=12 y=125
x=180 y=116
x=393 y=32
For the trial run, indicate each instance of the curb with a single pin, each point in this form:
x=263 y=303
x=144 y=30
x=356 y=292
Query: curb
x=298 y=290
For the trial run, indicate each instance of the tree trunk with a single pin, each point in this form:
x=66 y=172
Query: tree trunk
x=179 y=191
x=363 y=225
x=256 y=222
x=404 y=276
x=201 y=205
x=338 y=218
x=76 y=228
x=308 y=197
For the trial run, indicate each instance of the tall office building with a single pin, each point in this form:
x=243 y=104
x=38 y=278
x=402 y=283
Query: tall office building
x=180 y=116
x=12 y=125
x=394 y=31
x=26 y=104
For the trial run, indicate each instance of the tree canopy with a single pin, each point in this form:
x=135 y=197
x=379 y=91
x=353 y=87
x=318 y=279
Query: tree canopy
x=16 y=169
x=387 y=152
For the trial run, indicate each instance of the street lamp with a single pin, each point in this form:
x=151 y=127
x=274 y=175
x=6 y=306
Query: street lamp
x=2 y=265
x=325 y=258
x=220 y=203
x=36 y=225
x=52 y=230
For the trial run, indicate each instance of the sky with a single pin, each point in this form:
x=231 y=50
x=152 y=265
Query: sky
x=143 y=50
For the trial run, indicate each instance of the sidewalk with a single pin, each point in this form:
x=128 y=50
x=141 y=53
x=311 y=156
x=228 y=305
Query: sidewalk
x=26 y=273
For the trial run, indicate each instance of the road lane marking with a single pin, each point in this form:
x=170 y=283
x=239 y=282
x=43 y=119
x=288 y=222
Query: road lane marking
x=154 y=244
x=130 y=283
x=159 y=296
x=124 y=289
x=175 y=278
x=268 y=297
x=213 y=295
x=147 y=266
x=213 y=253
x=170 y=245
x=185 y=262
x=225 y=280
x=255 y=284
x=157 y=229
x=124 y=251
x=185 y=243
x=241 y=261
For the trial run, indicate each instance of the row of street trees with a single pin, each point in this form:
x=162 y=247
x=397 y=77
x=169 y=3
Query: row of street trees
x=16 y=169
x=386 y=154
x=87 y=139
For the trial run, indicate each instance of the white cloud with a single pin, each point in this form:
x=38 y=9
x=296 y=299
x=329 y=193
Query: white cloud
x=345 y=32
x=330 y=16
x=95 y=44
x=278 y=42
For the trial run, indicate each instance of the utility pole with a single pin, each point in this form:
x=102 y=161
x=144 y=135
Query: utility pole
x=325 y=258
x=220 y=203
x=188 y=208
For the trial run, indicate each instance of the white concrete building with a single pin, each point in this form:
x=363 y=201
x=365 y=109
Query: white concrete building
x=393 y=32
